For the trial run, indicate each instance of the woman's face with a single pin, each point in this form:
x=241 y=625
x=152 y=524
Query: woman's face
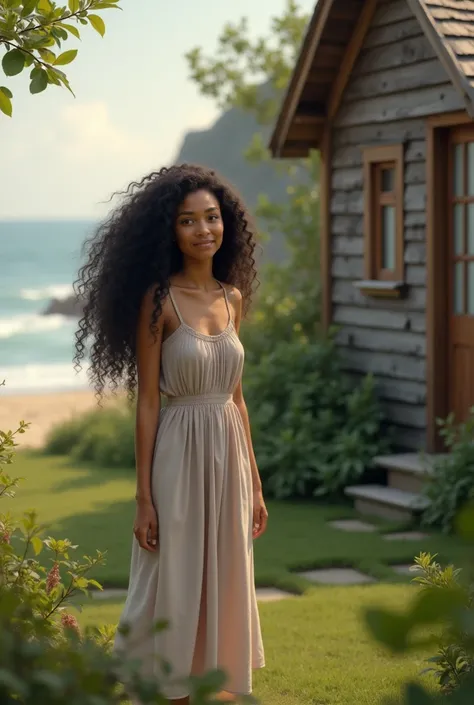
x=199 y=227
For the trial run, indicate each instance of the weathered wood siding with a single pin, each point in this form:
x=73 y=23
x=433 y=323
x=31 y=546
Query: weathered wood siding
x=397 y=81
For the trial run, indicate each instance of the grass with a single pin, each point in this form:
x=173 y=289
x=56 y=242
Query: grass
x=95 y=509
x=317 y=649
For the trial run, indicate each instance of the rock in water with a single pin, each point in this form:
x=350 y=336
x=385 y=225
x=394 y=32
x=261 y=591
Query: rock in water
x=71 y=306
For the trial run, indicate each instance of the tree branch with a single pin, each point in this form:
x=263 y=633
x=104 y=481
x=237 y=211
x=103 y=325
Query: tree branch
x=26 y=51
x=64 y=18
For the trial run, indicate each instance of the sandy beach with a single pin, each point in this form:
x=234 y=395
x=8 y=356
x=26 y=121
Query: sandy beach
x=42 y=411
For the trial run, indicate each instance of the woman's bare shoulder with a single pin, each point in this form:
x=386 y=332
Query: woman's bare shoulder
x=233 y=293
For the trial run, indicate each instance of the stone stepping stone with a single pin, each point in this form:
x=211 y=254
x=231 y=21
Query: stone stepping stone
x=403 y=569
x=263 y=594
x=109 y=594
x=272 y=594
x=337 y=576
x=352 y=525
x=405 y=536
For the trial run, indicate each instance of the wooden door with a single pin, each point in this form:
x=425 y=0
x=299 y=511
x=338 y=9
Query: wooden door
x=460 y=277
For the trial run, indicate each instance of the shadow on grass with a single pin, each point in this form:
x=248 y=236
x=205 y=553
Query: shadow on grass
x=91 y=475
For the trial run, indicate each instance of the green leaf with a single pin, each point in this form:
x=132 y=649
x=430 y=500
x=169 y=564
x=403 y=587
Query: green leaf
x=81 y=582
x=7 y=91
x=44 y=6
x=98 y=24
x=5 y=101
x=96 y=584
x=70 y=28
x=388 y=628
x=53 y=77
x=415 y=694
x=73 y=5
x=66 y=57
x=13 y=62
x=39 y=80
x=47 y=55
x=464 y=522
x=28 y=7
x=37 y=544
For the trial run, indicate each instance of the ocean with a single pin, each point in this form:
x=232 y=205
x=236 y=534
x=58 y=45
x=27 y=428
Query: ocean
x=39 y=260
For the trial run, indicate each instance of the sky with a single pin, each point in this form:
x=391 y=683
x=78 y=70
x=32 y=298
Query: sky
x=63 y=157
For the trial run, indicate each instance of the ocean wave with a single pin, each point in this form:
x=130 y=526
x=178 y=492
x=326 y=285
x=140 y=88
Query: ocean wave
x=55 y=291
x=30 y=323
x=44 y=377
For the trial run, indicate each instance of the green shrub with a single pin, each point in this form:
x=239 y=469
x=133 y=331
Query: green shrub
x=451 y=484
x=103 y=437
x=446 y=601
x=455 y=656
x=62 y=438
x=314 y=432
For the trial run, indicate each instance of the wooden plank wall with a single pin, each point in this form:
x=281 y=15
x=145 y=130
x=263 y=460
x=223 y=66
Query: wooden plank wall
x=397 y=81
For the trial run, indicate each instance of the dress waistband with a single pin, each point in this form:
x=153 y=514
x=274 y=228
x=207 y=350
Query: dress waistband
x=199 y=399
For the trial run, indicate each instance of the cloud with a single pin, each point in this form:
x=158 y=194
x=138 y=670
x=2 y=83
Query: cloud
x=87 y=134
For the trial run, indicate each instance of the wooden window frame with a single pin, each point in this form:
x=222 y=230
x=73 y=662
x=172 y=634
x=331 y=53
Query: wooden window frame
x=379 y=281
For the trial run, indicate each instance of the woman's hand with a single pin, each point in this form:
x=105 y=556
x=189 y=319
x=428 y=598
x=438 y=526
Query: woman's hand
x=260 y=514
x=145 y=527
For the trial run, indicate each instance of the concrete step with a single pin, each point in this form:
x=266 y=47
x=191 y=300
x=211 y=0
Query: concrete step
x=387 y=502
x=407 y=471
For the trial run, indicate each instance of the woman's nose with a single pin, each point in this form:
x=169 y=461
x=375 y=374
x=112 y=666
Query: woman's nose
x=203 y=228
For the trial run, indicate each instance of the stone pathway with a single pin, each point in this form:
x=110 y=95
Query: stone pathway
x=404 y=569
x=272 y=594
x=263 y=594
x=109 y=594
x=405 y=536
x=337 y=576
x=352 y=525
x=322 y=576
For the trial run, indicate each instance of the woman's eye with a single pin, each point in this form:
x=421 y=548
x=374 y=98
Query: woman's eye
x=213 y=217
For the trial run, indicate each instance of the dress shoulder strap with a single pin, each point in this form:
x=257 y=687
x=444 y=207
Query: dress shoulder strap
x=175 y=306
x=229 y=313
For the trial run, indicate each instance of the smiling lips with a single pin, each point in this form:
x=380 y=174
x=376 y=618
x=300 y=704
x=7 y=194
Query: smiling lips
x=205 y=243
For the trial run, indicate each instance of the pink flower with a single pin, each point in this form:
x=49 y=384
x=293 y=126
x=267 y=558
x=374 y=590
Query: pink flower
x=5 y=537
x=69 y=621
x=53 y=578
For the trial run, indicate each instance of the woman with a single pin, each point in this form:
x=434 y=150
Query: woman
x=168 y=279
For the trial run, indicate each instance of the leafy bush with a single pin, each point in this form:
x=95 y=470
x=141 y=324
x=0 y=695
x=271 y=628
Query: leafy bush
x=313 y=431
x=451 y=483
x=455 y=657
x=447 y=600
x=103 y=437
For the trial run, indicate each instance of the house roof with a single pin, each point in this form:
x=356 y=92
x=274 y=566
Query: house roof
x=333 y=40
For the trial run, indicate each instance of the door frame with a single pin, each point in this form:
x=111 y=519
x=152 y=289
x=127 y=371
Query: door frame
x=437 y=377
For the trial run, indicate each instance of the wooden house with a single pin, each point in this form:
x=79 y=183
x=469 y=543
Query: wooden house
x=384 y=89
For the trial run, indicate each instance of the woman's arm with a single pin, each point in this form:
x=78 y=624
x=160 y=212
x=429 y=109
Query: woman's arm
x=147 y=417
x=260 y=514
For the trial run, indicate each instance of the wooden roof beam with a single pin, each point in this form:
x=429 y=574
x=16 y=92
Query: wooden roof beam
x=350 y=56
x=298 y=80
x=309 y=119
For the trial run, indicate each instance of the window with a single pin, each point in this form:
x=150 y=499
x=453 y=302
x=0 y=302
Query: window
x=383 y=217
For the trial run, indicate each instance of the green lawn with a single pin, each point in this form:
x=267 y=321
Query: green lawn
x=95 y=508
x=317 y=650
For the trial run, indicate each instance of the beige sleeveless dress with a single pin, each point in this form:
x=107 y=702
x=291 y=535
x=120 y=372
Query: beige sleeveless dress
x=202 y=578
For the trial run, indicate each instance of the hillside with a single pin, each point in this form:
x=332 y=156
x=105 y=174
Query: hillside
x=221 y=147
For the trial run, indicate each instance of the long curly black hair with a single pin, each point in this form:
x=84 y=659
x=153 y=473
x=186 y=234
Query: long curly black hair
x=134 y=249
